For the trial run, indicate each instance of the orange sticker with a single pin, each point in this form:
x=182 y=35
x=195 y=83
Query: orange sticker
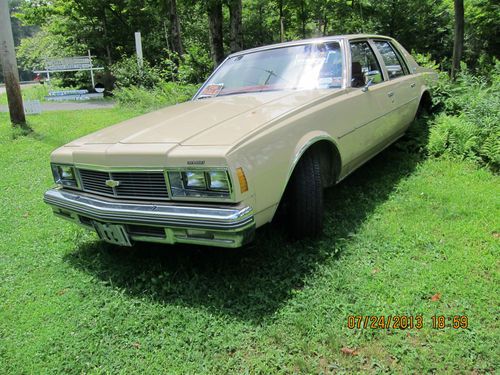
x=212 y=90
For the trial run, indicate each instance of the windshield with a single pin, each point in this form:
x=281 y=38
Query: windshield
x=302 y=67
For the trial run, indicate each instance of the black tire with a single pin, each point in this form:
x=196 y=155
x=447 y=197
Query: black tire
x=305 y=198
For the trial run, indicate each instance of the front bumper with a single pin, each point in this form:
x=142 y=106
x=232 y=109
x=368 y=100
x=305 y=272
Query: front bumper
x=168 y=222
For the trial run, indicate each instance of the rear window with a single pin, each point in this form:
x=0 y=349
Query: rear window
x=392 y=59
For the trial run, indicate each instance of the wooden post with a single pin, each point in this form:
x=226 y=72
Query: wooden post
x=91 y=70
x=9 y=65
x=138 y=49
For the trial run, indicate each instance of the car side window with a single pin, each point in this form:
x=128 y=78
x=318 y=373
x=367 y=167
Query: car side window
x=364 y=65
x=392 y=60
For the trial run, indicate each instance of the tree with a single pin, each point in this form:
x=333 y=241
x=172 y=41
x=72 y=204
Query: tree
x=9 y=66
x=282 y=21
x=175 y=28
x=235 y=10
x=214 y=12
x=458 y=44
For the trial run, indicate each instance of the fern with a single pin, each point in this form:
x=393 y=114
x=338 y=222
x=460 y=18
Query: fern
x=469 y=125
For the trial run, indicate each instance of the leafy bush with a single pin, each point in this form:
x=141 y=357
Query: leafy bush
x=196 y=65
x=161 y=95
x=469 y=126
x=193 y=67
x=33 y=50
x=127 y=74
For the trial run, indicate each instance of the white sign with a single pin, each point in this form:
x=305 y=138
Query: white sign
x=68 y=64
x=32 y=107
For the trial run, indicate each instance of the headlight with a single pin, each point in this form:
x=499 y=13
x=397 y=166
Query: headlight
x=218 y=181
x=200 y=183
x=194 y=180
x=64 y=175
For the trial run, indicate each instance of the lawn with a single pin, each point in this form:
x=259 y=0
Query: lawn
x=36 y=92
x=32 y=92
x=405 y=235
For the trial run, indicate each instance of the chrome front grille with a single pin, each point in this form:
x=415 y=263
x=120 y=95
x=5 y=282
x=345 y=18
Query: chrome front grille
x=142 y=185
x=95 y=181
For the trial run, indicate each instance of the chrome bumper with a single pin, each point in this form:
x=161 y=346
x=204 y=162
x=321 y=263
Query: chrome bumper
x=225 y=226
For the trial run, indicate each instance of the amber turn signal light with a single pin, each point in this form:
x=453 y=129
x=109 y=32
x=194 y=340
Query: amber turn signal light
x=242 y=179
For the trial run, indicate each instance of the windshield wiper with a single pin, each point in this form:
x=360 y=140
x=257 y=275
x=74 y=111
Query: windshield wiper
x=248 y=91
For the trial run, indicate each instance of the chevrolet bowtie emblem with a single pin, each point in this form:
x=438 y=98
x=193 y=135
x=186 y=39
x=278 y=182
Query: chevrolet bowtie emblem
x=112 y=183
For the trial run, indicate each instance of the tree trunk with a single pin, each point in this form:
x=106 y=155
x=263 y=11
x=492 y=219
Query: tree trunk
x=458 y=44
x=106 y=38
x=214 y=12
x=235 y=8
x=261 y=25
x=175 y=28
x=303 y=18
x=282 y=21
x=10 y=72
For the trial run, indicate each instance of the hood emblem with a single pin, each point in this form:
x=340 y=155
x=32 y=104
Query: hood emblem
x=112 y=183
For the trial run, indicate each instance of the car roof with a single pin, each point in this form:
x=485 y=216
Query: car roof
x=311 y=41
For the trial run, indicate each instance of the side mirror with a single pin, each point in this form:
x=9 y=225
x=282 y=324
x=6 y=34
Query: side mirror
x=368 y=84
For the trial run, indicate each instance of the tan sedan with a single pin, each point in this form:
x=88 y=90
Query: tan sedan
x=270 y=129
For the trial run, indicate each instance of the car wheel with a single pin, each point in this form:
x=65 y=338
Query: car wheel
x=305 y=199
x=424 y=107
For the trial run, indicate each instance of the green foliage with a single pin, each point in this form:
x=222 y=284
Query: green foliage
x=425 y=60
x=453 y=135
x=482 y=44
x=195 y=66
x=161 y=95
x=398 y=231
x=33 y=50
x=127 y=73
x=106 y=27
x=149 y=87
x=469 y=126
x=192 y=67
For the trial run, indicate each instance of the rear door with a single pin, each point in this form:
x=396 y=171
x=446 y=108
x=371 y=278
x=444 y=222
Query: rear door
x=405 y=91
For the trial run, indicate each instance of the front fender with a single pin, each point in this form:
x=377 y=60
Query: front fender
x=269 y=194
x=303 y=145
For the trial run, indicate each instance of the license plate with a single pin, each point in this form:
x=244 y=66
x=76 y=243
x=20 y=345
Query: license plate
x=112 y=233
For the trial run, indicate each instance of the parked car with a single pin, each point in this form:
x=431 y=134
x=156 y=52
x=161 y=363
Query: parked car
x=270 y=129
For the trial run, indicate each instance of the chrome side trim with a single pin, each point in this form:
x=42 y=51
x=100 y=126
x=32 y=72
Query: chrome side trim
x=230 y=218
x=375 y=119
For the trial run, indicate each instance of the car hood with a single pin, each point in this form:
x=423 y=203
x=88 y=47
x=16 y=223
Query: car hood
x=216 y=121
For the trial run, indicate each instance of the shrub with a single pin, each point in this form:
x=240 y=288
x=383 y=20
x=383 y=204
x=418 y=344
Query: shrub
x=453 y=135
x=127 y=73
x=161 y=95
x=196 y=66
x=469 y=126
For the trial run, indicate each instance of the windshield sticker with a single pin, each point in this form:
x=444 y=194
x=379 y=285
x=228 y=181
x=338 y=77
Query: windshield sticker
x=308 y=60
x=329 y=82
x=324 y=82
x=212 y=90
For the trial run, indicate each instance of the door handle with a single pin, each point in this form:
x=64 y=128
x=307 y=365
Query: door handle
x=412 y=85
x=390 y=94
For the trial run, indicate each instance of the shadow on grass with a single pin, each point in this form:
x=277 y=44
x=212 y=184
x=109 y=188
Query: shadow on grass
x=251 y=283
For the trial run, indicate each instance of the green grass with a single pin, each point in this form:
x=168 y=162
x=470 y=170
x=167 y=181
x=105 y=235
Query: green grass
x=38 y=92
x=35 y=92
x=398 y=231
